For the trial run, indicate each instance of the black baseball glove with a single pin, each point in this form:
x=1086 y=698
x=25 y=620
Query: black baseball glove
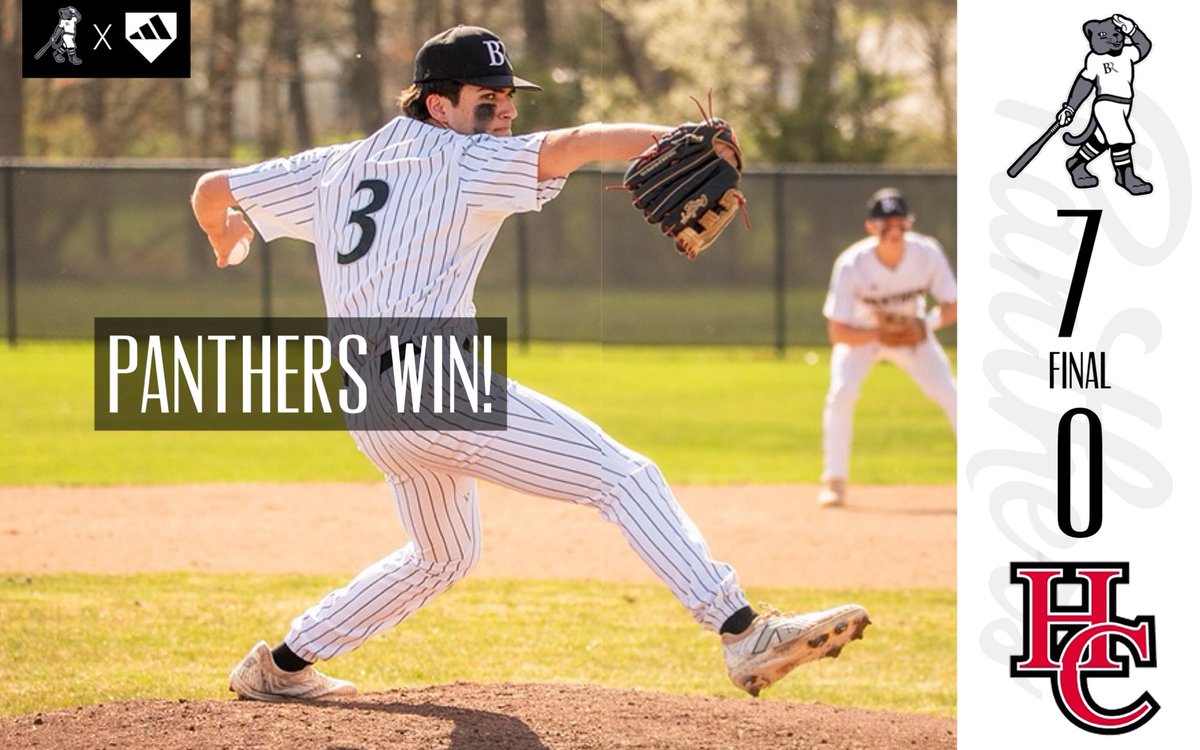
x=685 y=185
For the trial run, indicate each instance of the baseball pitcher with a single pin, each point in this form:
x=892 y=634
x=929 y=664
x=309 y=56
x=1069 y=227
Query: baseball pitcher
x=402 y=222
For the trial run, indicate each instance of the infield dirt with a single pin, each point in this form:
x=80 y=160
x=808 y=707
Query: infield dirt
x=775 y=535
x=887 y=537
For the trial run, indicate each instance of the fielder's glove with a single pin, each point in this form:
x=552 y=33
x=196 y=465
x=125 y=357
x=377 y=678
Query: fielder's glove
x=901 y=330
x=684 y=185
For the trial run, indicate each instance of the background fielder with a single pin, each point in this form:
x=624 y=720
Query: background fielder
x=401 y=222
x=888 y=273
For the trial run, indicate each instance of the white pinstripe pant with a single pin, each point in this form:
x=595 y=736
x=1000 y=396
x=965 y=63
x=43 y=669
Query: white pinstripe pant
x=549 y=450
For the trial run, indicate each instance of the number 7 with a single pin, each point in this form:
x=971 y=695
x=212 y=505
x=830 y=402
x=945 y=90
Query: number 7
x=1081 y=266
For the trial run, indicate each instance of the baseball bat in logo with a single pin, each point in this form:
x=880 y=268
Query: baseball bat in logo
x=1071 y=644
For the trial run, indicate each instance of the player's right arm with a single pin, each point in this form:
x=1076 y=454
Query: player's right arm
x=217 y=214
x=1079 y=91
x=841 y=304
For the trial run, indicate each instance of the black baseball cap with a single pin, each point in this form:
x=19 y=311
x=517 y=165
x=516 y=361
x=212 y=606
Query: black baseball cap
x=886 y=203
x=467 y=54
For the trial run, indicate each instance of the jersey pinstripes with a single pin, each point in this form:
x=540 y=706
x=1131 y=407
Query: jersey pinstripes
x=448 y=195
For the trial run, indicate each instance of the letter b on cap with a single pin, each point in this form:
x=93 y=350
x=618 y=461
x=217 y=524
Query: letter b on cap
x=495 y=52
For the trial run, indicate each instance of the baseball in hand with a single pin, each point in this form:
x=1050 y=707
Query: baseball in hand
x=239 y=252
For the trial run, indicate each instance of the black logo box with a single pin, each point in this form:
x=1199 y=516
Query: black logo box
x=103 y=27
x=124 y=374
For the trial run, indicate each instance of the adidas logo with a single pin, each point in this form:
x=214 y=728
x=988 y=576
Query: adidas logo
x=150 y=33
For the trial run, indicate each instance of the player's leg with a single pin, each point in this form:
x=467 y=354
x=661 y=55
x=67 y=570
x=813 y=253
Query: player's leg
x=69 y=43
x=929 y=367
x=550 y=450
x=1077 y=164
x=848 y=367
x=440 y=512
x=1113 y=118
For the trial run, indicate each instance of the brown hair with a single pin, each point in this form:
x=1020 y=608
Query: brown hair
x=412 y=99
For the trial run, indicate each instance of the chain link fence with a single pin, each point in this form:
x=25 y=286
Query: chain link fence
x=117 y=239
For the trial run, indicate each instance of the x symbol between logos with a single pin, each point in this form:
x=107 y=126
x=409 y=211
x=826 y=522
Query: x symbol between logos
x=102 y=33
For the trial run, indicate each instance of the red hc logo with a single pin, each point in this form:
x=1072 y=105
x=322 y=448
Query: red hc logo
x=1071 y=643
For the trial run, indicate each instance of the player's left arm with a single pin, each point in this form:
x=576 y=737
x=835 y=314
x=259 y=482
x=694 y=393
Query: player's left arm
x=218 y=215
x=565 y=150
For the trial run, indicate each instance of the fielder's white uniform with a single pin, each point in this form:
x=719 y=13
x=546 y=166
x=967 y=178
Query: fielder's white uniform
x=433 y=200
x=860 y=286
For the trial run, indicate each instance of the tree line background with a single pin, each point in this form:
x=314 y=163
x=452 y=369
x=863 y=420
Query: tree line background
x=804 y=81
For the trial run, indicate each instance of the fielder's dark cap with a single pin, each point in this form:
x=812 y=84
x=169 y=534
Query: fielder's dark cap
x=468 y=54
x=886 y=203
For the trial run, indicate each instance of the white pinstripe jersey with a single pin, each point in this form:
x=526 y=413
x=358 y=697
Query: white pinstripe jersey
x=862 y=284
x=403 y=219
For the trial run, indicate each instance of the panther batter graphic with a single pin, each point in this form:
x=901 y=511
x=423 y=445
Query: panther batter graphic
x=1117 y=44
x=1071 y=644
x=402 y=222
x=62 y=41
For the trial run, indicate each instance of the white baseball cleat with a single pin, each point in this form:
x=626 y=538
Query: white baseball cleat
x=832 y=494
x=258 y=678
x=776 y=643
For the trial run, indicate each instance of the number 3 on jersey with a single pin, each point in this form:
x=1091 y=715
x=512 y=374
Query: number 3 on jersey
x=362 y=217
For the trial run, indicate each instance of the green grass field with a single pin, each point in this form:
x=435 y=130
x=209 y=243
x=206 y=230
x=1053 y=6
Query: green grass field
x=73 y=639
x=706 y=415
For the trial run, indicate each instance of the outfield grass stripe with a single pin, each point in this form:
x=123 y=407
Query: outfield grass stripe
x=705 y=415
x=69 y=640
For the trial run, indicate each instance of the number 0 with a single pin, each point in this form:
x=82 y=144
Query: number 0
x=1095 y=453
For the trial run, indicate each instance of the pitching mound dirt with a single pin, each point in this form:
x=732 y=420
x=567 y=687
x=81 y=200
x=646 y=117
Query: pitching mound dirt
x=887 y=537
x=496 y=717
